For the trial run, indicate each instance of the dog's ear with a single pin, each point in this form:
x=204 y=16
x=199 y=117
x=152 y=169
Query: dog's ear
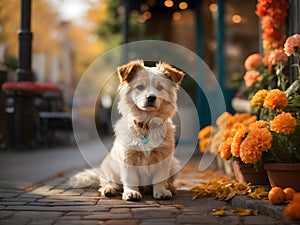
x=127 y=72
x=170 y=72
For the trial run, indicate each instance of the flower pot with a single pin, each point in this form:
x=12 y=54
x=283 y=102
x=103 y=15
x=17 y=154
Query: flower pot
x=249 y=175
x=284 y=174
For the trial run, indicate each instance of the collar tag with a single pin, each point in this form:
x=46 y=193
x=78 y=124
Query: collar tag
x=144 y=140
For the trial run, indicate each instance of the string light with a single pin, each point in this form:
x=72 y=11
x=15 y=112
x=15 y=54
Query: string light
x=236 y=18
x=147 y=15
x=213 y=7
x=169 y=3
x=176 y=16
x=183 y=5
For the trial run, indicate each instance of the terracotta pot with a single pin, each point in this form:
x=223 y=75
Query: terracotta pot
x=249 y=175
x=284 y=174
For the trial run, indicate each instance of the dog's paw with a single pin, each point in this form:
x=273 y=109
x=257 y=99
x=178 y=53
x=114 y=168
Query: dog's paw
x=162 y=194
x=132 y=196
x=108 y=191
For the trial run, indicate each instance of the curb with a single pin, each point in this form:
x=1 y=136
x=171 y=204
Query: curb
x=264 y=207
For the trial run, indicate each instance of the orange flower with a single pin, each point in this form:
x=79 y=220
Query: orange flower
x=238 y=138
x=252 y=61
x=259 y=97
x=205 y=132
x=224 y=149
x=275 y=100
x=222 y=119
x=284 y=123
x=257 y=141
x=259 y=124
x=204 y=137
x=291 y=44
x=251 y=77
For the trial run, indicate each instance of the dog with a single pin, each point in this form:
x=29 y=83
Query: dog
x=143 y=149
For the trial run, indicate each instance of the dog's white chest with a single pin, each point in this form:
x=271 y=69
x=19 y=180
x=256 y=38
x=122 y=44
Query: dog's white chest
x=146 y=141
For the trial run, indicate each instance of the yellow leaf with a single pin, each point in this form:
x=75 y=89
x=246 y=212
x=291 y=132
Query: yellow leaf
x=245 y=212
x=219 y=212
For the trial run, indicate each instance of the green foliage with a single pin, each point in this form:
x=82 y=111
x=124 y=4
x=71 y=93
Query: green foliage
x=111 y=30
x=11 y=62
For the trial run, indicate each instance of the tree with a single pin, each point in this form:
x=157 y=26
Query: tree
x=109 y=23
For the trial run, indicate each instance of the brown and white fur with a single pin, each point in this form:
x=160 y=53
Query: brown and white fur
x=147 y=104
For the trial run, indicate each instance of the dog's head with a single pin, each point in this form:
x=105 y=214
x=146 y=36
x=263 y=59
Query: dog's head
x=149 y=89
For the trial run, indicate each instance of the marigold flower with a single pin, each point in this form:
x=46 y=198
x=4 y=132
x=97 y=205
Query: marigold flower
x=259 y=97
x=291 y=44
x=238 y=138
x=252 y=61
x=284 y=123
x=275 y=100
x=277 y=55
x=224 y=149
x=222 y=119
x=257 y=141
x=251 y=77
x=205 y=132
x=259 y=124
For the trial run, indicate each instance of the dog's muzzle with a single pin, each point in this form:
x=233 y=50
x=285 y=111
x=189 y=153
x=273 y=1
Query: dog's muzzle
x=151 y=99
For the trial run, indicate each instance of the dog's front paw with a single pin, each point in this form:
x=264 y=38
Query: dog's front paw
x=162 y=194
x=108 y=191
x=131 y=196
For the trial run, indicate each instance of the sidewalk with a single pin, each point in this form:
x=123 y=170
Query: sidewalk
x=31 y=195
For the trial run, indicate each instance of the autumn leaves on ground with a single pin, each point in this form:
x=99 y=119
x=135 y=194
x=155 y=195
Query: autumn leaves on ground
x=215 y=184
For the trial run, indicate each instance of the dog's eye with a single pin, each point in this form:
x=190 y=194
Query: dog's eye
x=159 y=87
x=140 y=87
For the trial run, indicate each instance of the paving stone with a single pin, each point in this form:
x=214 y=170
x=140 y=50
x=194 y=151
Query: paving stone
x=41 y=189
x=77 y=222
x=230 y=220
x=155 y=212
x=71 y=218
x=158 y=221
x=54 y=182
x=120 y=210
x=8 y=194
x=125 y=222
x=90 y=194
x=71 y=192
x=97 y=208
x=63 y=203
x=30 y=195
x=14 y=222
x=200 y=219
x=38 y=203
x=55 y=191
x=36 y=214
x=4 y=214
x=127 y=204
x=55 y=198
x=42 y=222
x=107 y=216
x=258 y=220
x=18 y=199
x=13 y=203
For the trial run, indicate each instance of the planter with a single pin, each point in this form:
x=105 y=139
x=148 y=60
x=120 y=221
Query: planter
x=249 y=175
x=284 y=174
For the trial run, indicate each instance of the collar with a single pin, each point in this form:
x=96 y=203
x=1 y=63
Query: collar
x=142 y=125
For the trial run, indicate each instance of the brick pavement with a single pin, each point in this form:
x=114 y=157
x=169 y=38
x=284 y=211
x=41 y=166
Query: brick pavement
x=54 y=202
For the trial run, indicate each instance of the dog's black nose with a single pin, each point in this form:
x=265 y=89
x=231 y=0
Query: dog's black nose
x=151 y=98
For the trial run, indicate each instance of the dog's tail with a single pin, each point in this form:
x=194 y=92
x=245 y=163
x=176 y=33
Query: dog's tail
x=88 y=178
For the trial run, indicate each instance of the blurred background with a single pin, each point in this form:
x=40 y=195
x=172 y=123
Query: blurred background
x=68 y=35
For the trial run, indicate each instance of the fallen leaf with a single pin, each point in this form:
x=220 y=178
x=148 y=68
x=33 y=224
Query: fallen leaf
x=258 y=193
x=218 y=212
